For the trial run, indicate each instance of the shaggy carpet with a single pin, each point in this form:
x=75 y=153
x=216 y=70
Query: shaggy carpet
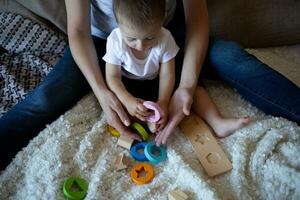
x=264 y=154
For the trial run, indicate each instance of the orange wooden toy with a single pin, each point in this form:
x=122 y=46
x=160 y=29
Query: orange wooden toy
x=140 y=168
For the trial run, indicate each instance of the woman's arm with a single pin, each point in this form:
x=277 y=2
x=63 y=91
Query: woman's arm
x=196 y=43
x=81 y=44
x=85 y=56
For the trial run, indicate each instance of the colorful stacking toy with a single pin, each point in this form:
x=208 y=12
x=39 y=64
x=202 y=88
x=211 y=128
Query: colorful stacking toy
x=143 y=173
x=75 y=188
x=157 y=111
x=155 y=154
x=137 y=151
x=138 y=169
x=140 y=130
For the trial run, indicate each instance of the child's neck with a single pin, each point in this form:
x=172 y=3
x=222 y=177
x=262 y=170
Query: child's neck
x=140 y=54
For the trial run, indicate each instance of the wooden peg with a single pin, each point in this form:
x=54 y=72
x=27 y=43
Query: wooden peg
x=121 y=162
x=177 y=194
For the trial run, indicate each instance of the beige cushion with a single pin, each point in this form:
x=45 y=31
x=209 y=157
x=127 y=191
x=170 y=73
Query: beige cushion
x=52 y=10
x=256 y=23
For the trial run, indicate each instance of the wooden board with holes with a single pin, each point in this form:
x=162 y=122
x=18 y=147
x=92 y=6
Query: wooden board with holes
x=210 y=154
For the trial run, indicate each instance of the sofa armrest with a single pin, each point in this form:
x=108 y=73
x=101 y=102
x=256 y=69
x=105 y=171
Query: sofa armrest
x=15 y=7
x=53 y=11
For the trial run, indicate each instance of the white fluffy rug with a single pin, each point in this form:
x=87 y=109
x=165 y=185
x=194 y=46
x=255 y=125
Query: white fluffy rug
x=265 y=154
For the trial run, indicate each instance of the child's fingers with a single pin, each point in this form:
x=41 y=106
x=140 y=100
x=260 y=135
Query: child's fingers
x=140 y=117
x=142 y=108
x=144 y=114
x=145 y=111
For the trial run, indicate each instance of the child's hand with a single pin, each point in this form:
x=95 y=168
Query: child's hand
x=164 y=115
x=136 y=108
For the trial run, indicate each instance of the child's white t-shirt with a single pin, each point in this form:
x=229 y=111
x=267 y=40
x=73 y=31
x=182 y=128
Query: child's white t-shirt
x=118 y=53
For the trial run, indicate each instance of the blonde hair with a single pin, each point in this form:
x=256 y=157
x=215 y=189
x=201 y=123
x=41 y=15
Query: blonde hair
x=139 y=13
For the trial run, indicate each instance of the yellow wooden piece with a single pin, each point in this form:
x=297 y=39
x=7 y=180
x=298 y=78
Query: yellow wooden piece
x=112 y=131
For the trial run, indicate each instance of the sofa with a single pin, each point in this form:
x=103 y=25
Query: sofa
x=264 y=154
x=253 y=24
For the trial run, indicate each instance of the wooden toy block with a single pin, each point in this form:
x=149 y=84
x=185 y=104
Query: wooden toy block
x=205 y=145
x=125 y=142
x=121 y=162
x=177 y=194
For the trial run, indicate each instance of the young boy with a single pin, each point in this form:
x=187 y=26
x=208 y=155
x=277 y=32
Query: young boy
x=141 y=49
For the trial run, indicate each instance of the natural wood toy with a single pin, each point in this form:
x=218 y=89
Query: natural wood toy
x=142 y=173
x=121 y=162
x=177 y=194
x=151 y=127
x=205 y=145
x=125 y=142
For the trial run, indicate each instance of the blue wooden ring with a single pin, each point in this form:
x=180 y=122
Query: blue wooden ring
x=150 y=153
x=134 y=151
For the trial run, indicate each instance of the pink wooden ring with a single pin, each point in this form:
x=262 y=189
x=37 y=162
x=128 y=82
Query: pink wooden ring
x=157 y=111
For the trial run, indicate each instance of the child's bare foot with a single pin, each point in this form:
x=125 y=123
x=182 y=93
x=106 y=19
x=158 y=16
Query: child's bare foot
x=225 y=127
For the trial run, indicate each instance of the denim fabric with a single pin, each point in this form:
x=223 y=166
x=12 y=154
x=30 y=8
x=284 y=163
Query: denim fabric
x=264 y=87
x=65 y=85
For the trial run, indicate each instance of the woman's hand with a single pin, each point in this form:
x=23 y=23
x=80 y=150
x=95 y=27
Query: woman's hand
x=115 y=114
x=136 y=108
x=179 y=107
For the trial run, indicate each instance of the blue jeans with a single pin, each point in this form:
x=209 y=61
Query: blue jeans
x=65 y=85
x=265 y=88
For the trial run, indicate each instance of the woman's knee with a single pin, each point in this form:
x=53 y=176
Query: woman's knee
x=224 y=50
x=228 y=55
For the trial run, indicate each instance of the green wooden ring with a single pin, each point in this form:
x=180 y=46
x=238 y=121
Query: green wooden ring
x=140 y=129
x=77 y=182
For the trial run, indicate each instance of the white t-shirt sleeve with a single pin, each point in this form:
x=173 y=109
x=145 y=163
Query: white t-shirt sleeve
x=113 y=49
x=169 y=49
